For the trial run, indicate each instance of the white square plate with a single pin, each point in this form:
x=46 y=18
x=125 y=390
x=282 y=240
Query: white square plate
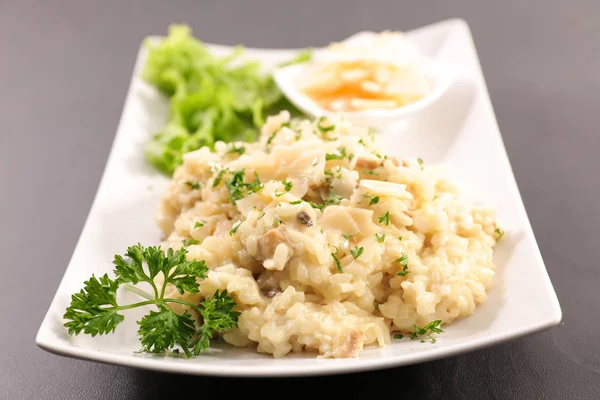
x=459 y=130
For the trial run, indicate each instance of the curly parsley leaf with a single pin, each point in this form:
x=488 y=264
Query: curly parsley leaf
x=92 y=310
x=162 y=330
x=218 y=315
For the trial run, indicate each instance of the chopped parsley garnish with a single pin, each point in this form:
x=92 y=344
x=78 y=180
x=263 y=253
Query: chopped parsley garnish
x=296 y=202
x=333 y=199
x=380 y=237
x=316 y=206
x=385 y=218
x=262 y=214
x=420 y=161
x=189 y=242
x=398 y=336
x=255 y=185
x=219 y=177
x=287 y=185
x=277 y=194
x=370 y=172
x=373 y=199
x=499 y=232
x=360 y=141
x=272 y=137
x=347 y=236
x=399 y=237
x=234 y=229
x=427 y=331
x=94 y=310
x=403 y=260
x=236 y=149
x=371 y=133
x=278 y=222
x=357 y=251
x=333 y=156
x=199 y=224
x=193 y=185
x=324 y=128
x=337 y=262
x=238 y=189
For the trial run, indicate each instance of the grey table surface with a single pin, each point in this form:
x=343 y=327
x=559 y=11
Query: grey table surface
x=64 y=70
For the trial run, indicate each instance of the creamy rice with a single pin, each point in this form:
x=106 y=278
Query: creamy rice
x=272 y=250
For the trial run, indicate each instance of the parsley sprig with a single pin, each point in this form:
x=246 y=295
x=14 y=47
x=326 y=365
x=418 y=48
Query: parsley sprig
x=94 y=310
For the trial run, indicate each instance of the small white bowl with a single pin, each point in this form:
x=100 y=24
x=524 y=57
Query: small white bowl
x=441 y=74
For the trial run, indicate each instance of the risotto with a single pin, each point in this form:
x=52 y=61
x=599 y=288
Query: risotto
x=326 y=243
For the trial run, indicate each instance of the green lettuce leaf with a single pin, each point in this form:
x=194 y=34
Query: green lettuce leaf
x=211 y=98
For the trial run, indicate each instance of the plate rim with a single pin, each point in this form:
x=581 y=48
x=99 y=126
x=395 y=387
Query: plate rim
x=45 y=341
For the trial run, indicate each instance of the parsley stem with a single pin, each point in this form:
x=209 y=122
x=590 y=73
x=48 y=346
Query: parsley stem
x=164 y=287
x=155 y=301
x=152 y=300
x=134 y=305
x=138 y=291
x=185 y=303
